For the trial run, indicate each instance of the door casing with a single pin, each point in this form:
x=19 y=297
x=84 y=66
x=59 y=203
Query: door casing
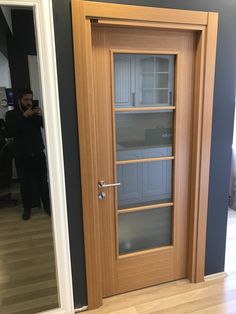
x=205 y=25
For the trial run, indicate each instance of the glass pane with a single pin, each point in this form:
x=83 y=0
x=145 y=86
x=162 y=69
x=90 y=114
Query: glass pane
x=147 y=64
x=144 y=230
x=144 y=183
x=144 y=134
x=148 y=80
x=122 y=72
x=161 y=80
x=161 y=97
x=147 y=97
x=162 y=64
x=138 y=76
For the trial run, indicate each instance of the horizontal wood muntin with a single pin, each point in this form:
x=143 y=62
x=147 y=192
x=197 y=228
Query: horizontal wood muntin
x=145 y=51
x=101 y=22
x=95 y=10
x=170 y=108
x=147 y=251
x=143 y=208
x=142 y=160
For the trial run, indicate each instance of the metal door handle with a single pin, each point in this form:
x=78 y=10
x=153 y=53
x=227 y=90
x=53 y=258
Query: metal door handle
x=102 y=184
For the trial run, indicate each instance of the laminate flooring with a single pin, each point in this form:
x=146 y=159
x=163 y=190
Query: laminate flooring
x=214 y=296
x=27 y=267
x=230 y=256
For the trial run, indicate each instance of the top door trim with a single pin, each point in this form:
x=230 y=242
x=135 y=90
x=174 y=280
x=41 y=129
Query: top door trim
x=97 y=10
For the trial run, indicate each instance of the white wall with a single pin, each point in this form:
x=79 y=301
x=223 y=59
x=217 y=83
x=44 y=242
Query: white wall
x=6 y=10
x=5 y=77
x=5 y=81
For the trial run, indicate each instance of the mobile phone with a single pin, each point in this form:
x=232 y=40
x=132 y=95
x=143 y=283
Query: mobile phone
x=35 y=104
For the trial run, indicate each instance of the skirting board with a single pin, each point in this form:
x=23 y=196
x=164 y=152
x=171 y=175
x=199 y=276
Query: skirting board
x=222 y=274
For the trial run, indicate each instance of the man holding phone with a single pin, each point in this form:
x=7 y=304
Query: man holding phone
x=24 y=124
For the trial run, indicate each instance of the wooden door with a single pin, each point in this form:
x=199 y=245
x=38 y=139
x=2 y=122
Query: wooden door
x=143 y=91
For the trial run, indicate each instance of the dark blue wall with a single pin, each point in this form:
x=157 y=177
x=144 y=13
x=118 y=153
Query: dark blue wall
x=65 y=68
x=224 y=102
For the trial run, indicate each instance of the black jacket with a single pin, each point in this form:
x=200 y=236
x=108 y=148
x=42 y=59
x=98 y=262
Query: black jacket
x=26 y=132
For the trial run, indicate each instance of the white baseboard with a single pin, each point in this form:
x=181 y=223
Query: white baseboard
x=81 y=309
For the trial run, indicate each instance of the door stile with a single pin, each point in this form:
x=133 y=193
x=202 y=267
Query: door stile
x=105 y=160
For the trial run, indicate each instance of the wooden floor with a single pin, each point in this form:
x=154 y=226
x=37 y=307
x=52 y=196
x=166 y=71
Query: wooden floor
x=230 y=257
x=27 y=267
x=215 y=296
x=28 y=281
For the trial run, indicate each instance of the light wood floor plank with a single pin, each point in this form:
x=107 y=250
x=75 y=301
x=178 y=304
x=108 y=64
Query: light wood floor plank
x=27 y=264
x=217 y=295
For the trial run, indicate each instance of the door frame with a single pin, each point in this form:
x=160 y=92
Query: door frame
x=45 y=42
x=205 y=25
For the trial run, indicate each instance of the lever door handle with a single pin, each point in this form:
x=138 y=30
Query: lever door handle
x=102 y=184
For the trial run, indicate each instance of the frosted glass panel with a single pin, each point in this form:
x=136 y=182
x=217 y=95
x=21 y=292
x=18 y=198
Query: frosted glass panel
x=143 y=134
x=144 y=183
x=144 y=230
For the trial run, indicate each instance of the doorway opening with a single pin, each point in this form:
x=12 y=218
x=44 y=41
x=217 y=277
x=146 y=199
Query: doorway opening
x=32 y=283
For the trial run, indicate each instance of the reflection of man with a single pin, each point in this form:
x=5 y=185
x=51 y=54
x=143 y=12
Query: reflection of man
x=24 y=125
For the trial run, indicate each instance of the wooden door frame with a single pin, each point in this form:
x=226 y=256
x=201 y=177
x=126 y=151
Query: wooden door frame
x=205 y=24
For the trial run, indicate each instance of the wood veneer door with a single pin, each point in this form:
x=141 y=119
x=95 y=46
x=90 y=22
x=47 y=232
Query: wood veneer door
x=144 y=133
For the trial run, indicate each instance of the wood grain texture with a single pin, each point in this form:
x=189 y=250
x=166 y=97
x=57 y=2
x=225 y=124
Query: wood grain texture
x=27 y=264
x=86 y=11
x=208 y=92
x=113 y=22
x=142 y=160
x=215 y=296
x=87 y=141
x=196 y=157
x=105 y=157
x=154 y=266
x=128 y=210
x=123 y=12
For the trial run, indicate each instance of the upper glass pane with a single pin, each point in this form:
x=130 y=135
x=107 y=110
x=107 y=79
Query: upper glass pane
x=144 y=134
x=143 y=80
